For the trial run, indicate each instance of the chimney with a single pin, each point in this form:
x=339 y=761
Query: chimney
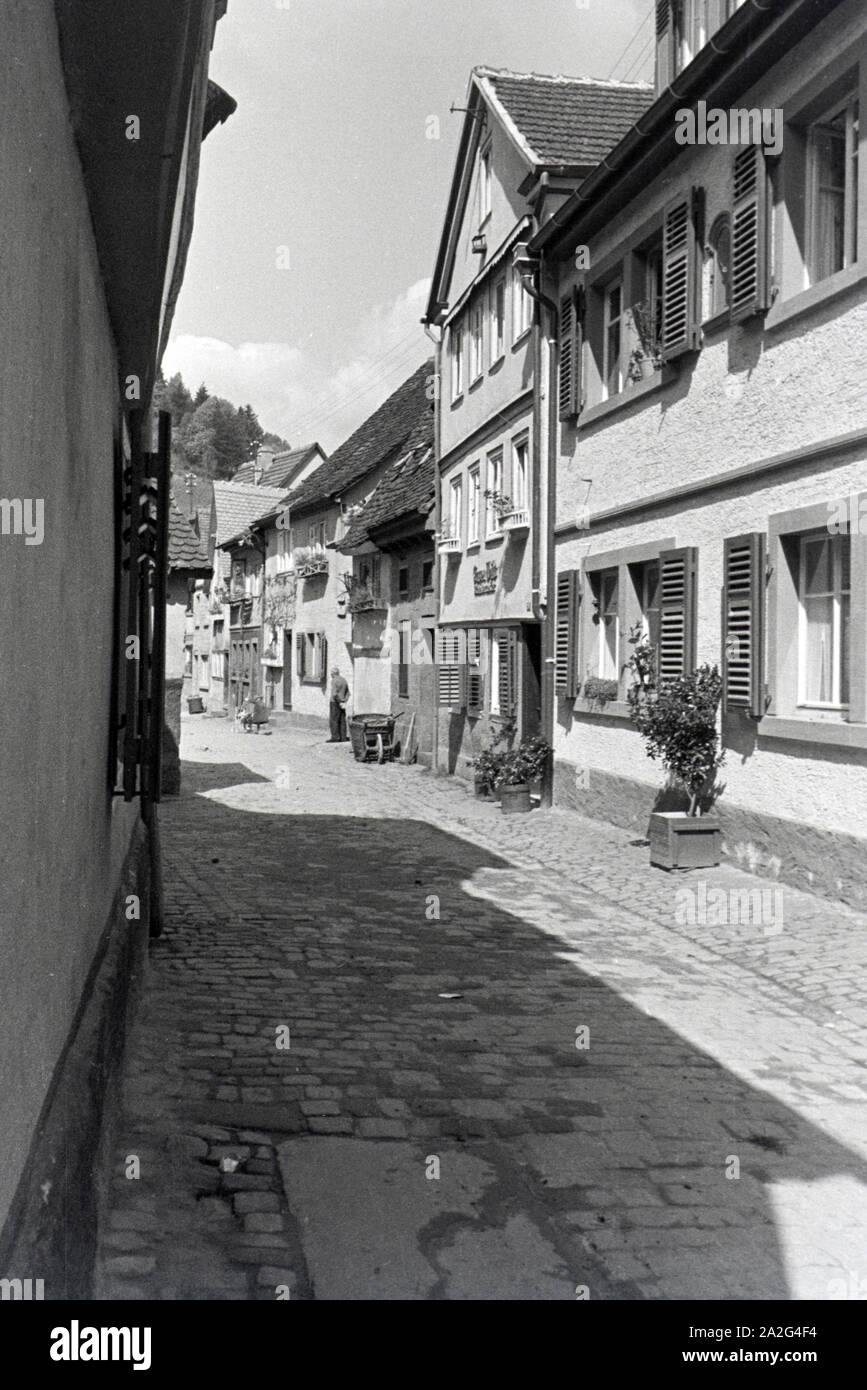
x=264 y=459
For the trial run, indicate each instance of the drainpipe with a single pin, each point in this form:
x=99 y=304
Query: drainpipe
x=544 y=497
x=438 y=386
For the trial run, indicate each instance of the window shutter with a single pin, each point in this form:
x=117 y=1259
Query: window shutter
x=743 y=623
x=475 y=691
x=665 y=39
x=301 y=640
x=677 y=589
x=161 y=465
x=507 y=672
x=749 y=246
x=571 y=354
x=451 y=671
x=566 y=634
x=680 y=276
x=322 y=655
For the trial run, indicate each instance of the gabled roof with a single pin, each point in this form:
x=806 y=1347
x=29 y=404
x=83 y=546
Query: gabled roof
x=187 y=551
x=283 y=469
x=405 y=490
x=377 y=441
x=565 y=120
x=238 y=505
x=560 y=125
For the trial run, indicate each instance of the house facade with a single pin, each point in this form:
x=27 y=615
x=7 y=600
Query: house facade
x=95 y=221
x=309 y=628
x=712 y=443
x=392 y=595
x=527 y=143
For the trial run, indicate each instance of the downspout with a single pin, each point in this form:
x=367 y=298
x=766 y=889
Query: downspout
x=543 y=534
x=437 y=342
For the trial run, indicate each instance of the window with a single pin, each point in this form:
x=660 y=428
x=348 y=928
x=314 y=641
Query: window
x=477 y=365
x=522 y=308
x=204 y=673
x=456 y=501
x=824 y=594
x=484 y=185
x=312 y=657
x=473 y=498
x=404 y=645
x=606 y=619
x=715 y=278
x=188 y=659
x=456 y=352
x=520 y=458
x=494 y=491
x=693 y=29
x=497 y=333
x=647 y=587
x=832 y=192
x=403 y=580
x=316 y=534
x=427 y=570
x=612 y=374
x=285 y=546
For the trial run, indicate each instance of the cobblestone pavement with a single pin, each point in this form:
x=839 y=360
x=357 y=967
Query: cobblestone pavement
x=394 y=1044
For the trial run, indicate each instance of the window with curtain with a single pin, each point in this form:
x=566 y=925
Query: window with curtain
x=824 y=593
x=832 y=192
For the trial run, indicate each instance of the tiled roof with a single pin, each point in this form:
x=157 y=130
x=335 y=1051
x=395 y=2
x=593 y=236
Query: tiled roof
x=568 y=120
x=240 y=504
x=187 y=551
x=283 y=468
x=405 y=490
x=375 y=442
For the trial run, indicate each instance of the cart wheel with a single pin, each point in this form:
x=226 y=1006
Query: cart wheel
x=380 y=750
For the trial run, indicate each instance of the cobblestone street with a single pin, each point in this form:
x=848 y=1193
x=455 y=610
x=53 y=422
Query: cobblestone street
x=394 y=1044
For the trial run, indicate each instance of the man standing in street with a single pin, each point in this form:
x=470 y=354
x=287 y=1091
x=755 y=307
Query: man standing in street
x=337 y=711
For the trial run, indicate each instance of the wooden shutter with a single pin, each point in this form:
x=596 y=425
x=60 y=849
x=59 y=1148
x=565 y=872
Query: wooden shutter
x=566 y=634
x=665 y=43
x=681 y=278
x=743 y=623
x=507 y=671
x=161 y=471
x=321 y=656
x=301 y=640
x=451 y=670
x=571 y=375
x=677 y=590
x=749 y=234
x=475 y=681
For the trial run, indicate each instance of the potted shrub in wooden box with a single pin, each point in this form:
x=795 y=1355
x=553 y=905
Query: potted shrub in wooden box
x=486 y=770
x=518 y=769
x=677 y=720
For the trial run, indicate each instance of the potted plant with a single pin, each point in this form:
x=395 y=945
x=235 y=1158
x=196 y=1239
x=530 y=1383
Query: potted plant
x=486 y=770
x=646 y=356
x=600 y=689
x=501 y=504
x=518 y=769
x=677 y=720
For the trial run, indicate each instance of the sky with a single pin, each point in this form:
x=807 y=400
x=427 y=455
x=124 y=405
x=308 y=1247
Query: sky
x=321 y=200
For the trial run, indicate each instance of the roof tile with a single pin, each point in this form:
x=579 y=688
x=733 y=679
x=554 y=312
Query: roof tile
x=569 y=120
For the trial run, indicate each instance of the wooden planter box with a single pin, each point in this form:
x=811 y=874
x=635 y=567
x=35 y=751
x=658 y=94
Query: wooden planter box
x=515 y=798
x=678 y=841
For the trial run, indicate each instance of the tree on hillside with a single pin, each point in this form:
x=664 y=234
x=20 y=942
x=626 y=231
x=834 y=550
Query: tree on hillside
x=201 y=396
x=210 y=436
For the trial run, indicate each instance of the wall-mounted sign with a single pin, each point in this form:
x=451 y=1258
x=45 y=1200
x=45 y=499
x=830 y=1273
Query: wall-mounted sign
x=485 y=580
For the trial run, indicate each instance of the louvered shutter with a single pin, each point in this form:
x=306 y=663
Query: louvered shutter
x=743 y=623
x=677 y=589
x=451 y=671
x=665 y=43
x=134 y=539
x=571 y=376
x=161 y=467
x=680 y=275
x=475 y=681
x=566 y=634
x=321 y=656
x=749 y=279
x=507 y=671
x=301 y=639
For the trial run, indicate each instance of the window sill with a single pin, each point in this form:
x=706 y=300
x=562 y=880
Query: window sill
x=717 y=322
x=821 y=731
x=477 y=381
x=473 y=547
x=608 y=709
x=516 y=342
x=497 y=363
x=784 y=311
x=638 y=392
x=456 y=400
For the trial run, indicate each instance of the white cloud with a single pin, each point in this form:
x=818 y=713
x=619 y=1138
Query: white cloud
x=295 y=394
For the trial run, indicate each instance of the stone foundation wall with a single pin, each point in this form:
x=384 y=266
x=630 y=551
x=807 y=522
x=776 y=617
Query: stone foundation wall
x=829 y=863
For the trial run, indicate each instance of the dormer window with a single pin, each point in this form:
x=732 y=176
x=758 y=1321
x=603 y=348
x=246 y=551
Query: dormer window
x=484 y=186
